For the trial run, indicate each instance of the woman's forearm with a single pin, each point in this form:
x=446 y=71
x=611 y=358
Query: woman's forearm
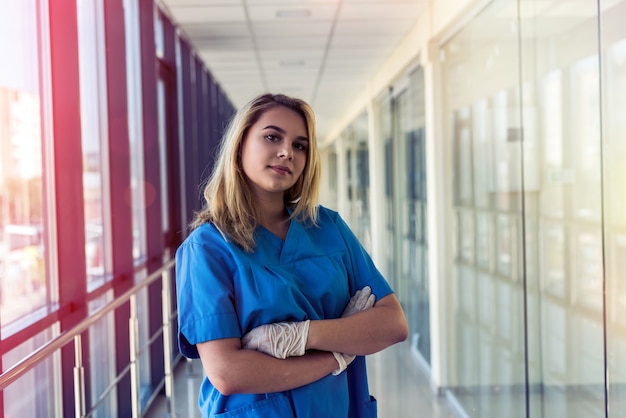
x=234 y=370
x=364 y=333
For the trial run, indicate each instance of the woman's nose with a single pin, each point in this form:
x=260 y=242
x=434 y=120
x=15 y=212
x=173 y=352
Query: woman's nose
x=285 y=152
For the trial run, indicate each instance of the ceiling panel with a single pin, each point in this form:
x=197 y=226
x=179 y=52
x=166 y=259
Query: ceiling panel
x=208 y=14
x=324 y=51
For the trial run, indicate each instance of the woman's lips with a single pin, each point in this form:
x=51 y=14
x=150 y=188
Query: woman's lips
x=280 y=169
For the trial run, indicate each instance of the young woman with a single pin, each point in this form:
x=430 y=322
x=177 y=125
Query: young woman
x=275 y=294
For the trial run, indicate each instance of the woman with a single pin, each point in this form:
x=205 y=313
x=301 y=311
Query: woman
x=275 y=294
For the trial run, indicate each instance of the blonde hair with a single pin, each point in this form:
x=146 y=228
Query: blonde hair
x=228 y=198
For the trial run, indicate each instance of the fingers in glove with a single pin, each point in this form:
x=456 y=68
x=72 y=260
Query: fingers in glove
x=371 y=300
x=280 y=339
x=362 y=297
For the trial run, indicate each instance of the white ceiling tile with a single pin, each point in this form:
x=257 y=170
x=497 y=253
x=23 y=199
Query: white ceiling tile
x=297 y=29
x=208 y=14
x=301 y=12
x=374 y=11
x=325 y=58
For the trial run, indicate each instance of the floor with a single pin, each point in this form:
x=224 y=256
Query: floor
x=398 y=383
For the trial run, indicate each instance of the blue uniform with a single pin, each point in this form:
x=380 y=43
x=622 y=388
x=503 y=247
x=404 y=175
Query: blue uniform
x=224 y=292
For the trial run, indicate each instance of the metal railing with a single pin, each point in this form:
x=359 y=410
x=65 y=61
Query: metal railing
x=74 y=334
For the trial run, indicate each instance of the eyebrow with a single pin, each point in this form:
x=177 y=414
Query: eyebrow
x=282 y=131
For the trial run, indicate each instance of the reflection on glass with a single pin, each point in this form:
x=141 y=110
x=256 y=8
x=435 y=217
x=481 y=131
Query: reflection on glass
x=614 y=156
x=505 y=299
x=556 y=345
x=504 y=243
x=143 y=323
x=462 y=151
x=102 y=359
x=481 y=135
x=23 y=284
x=554 y=273
x=557 y=176
x=93 y=132
x=19 y=399
x=588 y=268
x=586 y=139
x=614 y=129
x=138 y=187
x=162 y=107
x=486 y=301
x=466 y=236
x=483 y=240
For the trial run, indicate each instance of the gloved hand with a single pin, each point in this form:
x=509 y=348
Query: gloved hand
x=363 y=299
x=280 y=340
x=344 y=361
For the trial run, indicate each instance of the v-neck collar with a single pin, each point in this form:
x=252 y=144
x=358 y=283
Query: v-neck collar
x=285 y=250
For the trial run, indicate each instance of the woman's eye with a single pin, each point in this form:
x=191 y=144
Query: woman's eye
x=271 y=137
x=299 y=146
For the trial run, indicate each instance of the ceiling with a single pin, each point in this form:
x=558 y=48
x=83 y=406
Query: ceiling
x=323 y=51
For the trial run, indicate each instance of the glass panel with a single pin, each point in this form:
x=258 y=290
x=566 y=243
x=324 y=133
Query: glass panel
x=143 y=331
x=162 y=96
x=484 y=241
x=546 y=152
x=93 y=115
x=102 y=360
x=614 y=156
x=135 y=128
x=462 y=156
x=383 y=116
x=362 y=201
x=158 y=33
x=557 y=176
x=484 y=181
x=23 y=284
x=357 y=178
x=19 y=399
x=401 y=117
x=561 y=60
x=483 y=104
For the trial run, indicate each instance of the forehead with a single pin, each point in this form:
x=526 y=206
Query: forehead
x=282 y=117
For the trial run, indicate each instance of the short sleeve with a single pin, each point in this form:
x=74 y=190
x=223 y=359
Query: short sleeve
x=204 y=291
x=362 y=270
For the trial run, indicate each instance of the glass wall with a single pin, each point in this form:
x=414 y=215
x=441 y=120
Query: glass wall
x=94 y=133
x=401 y=123
x=23 y=284
x=533 y=111
x=613 y=151
x=135 y=129
x=383 y=114
x=416 y=243
x=357 y=179
x=75 y=229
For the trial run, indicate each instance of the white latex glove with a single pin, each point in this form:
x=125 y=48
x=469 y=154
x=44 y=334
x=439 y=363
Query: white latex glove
x=280 y=340
x=363 y=299
x=344 y=361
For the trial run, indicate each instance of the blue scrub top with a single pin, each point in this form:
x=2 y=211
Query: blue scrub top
x=224 y=292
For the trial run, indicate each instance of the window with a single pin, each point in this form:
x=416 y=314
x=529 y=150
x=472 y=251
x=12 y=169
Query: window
x=93 y=116
x=23 y=282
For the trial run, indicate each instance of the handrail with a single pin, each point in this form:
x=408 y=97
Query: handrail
x=46 y=350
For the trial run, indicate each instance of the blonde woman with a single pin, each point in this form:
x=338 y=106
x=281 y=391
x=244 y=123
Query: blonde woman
x=275 y=294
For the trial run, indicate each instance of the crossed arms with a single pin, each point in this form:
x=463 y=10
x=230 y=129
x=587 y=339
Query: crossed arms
x=233 y=369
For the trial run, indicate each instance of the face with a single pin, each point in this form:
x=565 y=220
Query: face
x=274 y=152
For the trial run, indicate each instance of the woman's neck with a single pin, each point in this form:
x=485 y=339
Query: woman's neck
x=274 y=218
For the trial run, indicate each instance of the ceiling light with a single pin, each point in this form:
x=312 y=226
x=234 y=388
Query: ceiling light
x=293 y=13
